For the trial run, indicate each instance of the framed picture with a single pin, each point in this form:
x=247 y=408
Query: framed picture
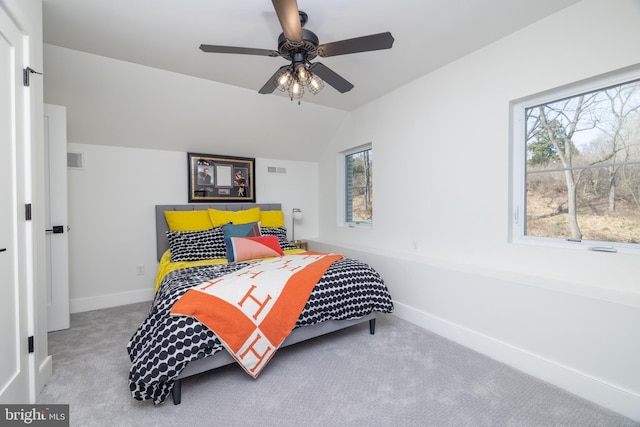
x=214 y=178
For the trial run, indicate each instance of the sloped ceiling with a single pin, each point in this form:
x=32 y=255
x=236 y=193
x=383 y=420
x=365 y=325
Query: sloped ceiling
x=165 y=34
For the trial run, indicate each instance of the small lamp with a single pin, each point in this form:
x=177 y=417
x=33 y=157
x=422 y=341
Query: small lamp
x=296 y=215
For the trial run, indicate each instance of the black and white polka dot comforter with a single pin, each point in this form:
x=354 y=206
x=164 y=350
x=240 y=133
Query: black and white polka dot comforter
x=164 y=344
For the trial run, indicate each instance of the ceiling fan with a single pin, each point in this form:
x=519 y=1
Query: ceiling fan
x=300 y=46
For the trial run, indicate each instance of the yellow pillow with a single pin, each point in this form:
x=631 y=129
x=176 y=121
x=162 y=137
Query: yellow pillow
x=219 y=218
x=188 y=220
x=271 y=219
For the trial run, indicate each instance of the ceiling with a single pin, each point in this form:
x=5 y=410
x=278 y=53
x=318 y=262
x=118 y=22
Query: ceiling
x=166 y=34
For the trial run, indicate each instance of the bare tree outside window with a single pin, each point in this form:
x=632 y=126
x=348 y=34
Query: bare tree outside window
x=583 y=166
x=359 y=185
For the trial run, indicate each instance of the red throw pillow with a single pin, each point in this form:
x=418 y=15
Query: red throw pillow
x=246 y=248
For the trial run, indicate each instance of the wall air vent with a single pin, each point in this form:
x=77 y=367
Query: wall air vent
x=75 y=160
x=273 y=169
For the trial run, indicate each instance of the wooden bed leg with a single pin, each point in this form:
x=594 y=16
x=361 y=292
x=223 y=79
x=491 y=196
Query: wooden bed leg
x=372 y=326
x=176 y=392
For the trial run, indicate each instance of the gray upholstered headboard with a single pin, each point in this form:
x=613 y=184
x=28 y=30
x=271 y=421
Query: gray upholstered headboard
x=162 y=243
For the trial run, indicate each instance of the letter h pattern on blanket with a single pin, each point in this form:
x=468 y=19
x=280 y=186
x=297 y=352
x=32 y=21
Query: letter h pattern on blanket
x=254 y=309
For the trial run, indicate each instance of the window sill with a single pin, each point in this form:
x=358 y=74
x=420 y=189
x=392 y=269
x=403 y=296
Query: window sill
x=583 y=245
x=358 y=224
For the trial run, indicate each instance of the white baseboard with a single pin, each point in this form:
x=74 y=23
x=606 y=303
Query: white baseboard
x=601 y=393
x=110 y=300
x=45 y=371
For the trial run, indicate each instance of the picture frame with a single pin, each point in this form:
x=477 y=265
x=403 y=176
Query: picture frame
x=218 y=178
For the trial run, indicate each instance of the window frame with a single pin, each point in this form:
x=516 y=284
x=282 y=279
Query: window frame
x=342 y=188
x=518 y=156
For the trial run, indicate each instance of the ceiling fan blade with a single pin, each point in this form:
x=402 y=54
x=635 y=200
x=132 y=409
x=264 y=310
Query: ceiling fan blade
x=271 y=84
x=331 y=77
x=209 y=48
x=289 y=17
x=358 y=44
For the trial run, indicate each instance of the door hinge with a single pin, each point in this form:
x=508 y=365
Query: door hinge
x=25 y=75
x=27 y=212
x=31 y=344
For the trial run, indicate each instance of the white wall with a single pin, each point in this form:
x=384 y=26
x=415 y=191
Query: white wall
x=112 y=102
x=111 y=215
x=441 y=149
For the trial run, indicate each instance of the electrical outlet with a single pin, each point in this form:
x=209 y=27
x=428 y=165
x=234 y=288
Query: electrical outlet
x=140 y=269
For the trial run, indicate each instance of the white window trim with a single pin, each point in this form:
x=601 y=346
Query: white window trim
x=341 y=187
x=518 y=170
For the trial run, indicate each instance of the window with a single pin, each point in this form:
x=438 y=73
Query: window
x=357 y=166
x=577 y=165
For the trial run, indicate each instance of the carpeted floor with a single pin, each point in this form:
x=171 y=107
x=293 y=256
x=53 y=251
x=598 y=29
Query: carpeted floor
x=401 y=376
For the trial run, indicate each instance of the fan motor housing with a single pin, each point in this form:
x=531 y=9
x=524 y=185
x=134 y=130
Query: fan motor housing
x=308 y=46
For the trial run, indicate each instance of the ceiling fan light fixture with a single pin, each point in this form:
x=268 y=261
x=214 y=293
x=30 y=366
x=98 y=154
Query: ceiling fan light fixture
x=315 y=84
x=296 y=78
x=300 y=46
x=302 y=74
x=296 y=90
x=283 y=80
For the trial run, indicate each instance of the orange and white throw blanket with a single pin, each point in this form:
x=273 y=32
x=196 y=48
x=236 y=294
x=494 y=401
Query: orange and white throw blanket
x=254 y=309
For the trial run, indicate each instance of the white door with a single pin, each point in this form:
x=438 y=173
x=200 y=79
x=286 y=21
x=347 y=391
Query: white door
x=14 y=376
x=55 y=145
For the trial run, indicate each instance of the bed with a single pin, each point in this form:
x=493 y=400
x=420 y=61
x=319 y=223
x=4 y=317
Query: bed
x=168 y=347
